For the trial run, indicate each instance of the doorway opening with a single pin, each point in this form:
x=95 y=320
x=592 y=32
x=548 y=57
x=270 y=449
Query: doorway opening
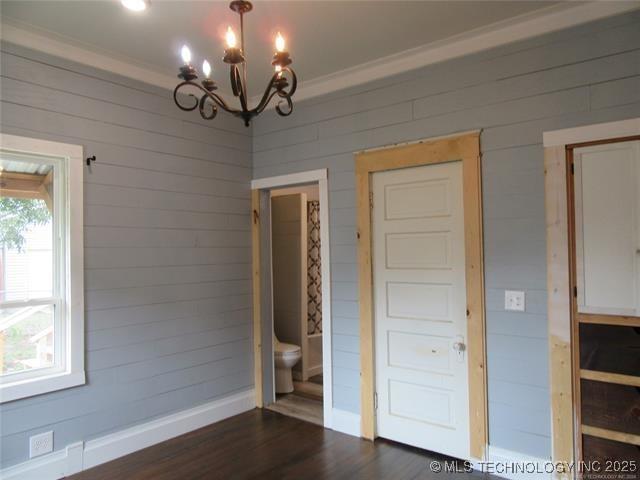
x=292 y=343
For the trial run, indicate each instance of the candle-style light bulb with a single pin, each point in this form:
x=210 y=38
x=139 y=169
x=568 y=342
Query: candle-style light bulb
x=231 y=38
x=186 y=55
x=206 y=69
x=135 y=5
x=279 y=42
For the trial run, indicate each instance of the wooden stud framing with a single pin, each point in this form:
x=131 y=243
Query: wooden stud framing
x=466 y=148
x=559 y=306
x=574 y=326
x=257 y=319
x=564 y=365
x=618 y=320
x=566 y=441
x=611 y=435
x=617 y=378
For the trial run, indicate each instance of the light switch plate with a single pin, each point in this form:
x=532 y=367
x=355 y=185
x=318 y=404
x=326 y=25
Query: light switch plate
x=514 y=300
x=40 y=444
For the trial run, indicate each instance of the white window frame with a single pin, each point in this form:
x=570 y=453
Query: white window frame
x=69 y=369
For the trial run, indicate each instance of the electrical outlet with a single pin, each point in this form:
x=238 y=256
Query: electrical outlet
x=40 y=444
x=514 y=300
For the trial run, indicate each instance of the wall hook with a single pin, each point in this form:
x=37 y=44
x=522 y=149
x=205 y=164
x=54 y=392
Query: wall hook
x=91 y=159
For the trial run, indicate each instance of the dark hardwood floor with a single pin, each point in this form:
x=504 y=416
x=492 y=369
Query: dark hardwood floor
x=267 y=445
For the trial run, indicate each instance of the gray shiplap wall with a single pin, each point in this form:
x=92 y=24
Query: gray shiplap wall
x=584 y=75
x=167 y=249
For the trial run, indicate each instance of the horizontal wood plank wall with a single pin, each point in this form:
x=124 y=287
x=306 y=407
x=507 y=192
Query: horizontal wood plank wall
x=168 y=252
x=583 y=75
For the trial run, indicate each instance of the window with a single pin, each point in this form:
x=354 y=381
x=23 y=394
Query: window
x=41 y=267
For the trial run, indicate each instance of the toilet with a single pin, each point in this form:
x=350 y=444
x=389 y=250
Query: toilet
x=285 y=356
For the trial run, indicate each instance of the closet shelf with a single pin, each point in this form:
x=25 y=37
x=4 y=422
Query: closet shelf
x=611 y=435
x=616 y=378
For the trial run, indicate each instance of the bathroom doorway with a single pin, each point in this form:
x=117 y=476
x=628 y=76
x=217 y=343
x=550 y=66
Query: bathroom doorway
x=291 y=296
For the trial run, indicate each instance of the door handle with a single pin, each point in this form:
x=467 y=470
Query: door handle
x=459 y=347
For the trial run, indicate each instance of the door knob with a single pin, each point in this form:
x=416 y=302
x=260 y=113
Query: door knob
x=459 y=348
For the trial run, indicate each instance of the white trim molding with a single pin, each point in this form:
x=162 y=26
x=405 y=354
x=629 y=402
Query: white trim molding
x=346 y=422
x=327 y=317
x=58 y=46
x=300 y=178
x=78 y=456
x=592 y=133
x=68 y=208
x=546 y=20
x=289 y=180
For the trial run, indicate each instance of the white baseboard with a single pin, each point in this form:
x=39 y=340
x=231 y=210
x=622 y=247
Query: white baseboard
x=513 y=465
x=345 y=422
x=48 y=467
x=79 y=456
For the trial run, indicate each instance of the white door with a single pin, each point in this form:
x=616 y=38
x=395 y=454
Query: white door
x=420 y=308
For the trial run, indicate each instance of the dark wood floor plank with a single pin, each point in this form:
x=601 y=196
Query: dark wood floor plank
x=267 y=445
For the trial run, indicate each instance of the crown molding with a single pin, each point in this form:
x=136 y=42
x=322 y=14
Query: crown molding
x=59 y=46
x=547 y=20
x=554 y=18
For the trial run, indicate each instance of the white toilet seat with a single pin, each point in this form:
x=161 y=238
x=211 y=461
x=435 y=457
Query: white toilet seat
x=286 y=349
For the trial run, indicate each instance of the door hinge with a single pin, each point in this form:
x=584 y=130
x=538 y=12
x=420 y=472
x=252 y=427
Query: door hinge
x=573 y=168
x=371 y=200
x=375 y=400
x=575 y=292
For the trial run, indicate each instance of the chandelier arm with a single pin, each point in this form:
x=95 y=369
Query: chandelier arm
x=233 y=79
x=221 y=103
x=267 y=95
x=283 y=93
x=213 y=96
x=242 y=91
x=212 y=103
x=294 y=84
x=191 y=95
x=285 y=113
x=264 y=102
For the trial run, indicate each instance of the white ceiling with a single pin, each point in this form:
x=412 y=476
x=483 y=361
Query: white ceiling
x=323 y=37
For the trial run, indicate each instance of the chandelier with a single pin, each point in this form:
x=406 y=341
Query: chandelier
x=210 y=101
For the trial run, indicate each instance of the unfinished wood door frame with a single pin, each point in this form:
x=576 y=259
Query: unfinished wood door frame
x=259 y=264
x=559 y=278
x=464 y=147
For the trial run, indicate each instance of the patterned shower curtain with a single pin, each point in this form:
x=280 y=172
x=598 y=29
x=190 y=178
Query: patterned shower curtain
x=314 y=275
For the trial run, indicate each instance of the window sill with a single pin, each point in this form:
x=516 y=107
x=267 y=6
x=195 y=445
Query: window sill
x=39 y=385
